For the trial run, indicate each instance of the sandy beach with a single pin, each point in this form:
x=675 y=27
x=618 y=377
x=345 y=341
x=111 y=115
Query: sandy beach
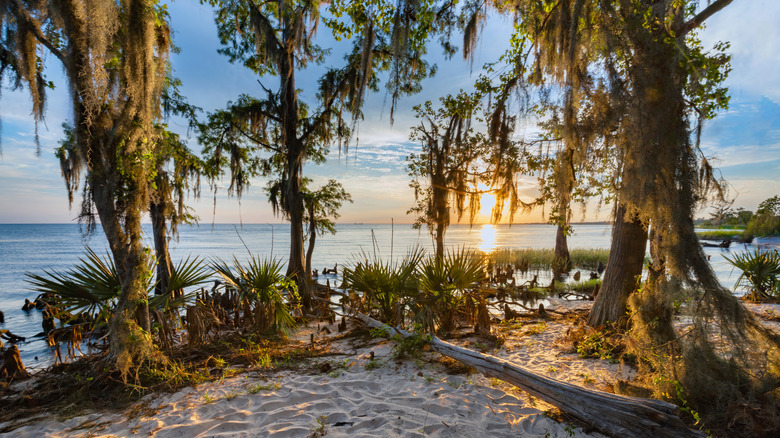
x=347 y=393
x=353 y=395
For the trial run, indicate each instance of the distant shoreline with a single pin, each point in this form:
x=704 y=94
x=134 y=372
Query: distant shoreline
x=337 y=223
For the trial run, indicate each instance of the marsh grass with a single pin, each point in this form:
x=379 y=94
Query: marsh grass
x=721 y=234
x=533 y=259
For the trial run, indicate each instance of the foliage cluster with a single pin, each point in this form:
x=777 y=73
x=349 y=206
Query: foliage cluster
x=430 y=289
x=760 y=274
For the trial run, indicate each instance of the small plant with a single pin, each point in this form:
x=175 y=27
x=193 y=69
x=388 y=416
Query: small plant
x=264 y=361
x=443 y=283
x=207 y=398
x=495 y=382
x=320 y=429
x=374 y=364
x=536 y=328
x=378 y=333
x=231 y=395
x=385 y=285
x=411 y=345
x=254 y=389
x=587 y=378
x=552 y=369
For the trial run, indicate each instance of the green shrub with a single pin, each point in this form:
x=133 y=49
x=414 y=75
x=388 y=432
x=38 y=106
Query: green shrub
x=760 y=271
x=266 y=295
x=385 y=285
x=442 y=283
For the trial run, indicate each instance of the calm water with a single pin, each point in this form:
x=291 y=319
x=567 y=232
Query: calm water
x=33 y=248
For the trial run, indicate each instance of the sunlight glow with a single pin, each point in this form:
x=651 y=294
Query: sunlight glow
x=486 y=204
x=488 y=238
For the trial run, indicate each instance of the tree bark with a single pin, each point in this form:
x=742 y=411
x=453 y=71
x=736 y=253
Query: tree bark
x=312 y=238
x=160 y=233
x=132 y=309
x=441 y=206
x=624 y=268
x=296 y=153
x=562 y=250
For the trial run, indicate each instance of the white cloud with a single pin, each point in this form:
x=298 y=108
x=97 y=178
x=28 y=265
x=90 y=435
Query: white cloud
x=751 y=26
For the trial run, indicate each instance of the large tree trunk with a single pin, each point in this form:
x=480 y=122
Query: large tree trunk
x=562 y=257
x=125 y=241
x=296 y=153
x=160 y=232
x=624 y=268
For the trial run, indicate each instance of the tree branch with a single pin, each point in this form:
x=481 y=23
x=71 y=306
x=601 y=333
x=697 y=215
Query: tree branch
x=697 y=21
x=252 y=138
x=327 y=109
x=22 y=15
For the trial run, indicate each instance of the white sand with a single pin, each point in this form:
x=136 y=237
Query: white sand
x=413 y=398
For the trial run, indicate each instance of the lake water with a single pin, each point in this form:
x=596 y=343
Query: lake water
x=34 y=248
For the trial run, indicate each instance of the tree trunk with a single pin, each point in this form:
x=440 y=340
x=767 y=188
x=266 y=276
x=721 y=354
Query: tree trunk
x=657 y=266
x=562 y=257
x=312 y=238
x=441 y=206
x=296 y=153
x=624 y=268
x=124 y=239
x=160 y=232
x=440 y=230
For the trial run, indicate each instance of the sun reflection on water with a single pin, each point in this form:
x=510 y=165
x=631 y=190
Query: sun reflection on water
x=487 y=241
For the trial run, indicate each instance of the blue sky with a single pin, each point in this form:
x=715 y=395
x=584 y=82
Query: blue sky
x=746 y=139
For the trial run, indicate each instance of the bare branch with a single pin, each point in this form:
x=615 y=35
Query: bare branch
x=697 y=21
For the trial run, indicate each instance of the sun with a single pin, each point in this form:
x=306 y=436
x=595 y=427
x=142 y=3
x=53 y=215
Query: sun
x=486 y=203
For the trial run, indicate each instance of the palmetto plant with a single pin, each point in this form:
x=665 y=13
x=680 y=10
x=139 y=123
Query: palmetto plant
x=442 y=284
x=760 y=273
x=385 y=284
x=189 y=272
x=266 y=294
x=88 y=291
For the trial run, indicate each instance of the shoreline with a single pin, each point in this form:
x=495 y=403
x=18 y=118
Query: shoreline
x=355 y=386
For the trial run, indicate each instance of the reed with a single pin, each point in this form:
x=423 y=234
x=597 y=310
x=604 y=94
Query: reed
x=532 y=259
x=720 y=234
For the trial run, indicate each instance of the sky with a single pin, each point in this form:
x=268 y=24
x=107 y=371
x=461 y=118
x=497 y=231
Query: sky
x=745 y=140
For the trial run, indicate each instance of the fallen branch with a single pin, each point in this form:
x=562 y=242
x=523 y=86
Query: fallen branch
x=612 y=414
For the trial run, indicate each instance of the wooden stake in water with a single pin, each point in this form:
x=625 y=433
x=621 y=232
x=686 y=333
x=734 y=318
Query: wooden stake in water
x=392 y=234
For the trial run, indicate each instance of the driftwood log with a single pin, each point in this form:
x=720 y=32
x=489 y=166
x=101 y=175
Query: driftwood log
x=611 y=414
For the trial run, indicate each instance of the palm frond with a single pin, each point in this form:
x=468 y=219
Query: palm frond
x=262 y=286
x=760 y=272
x=385 y=284
x=88 y=288
x=190 y=272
